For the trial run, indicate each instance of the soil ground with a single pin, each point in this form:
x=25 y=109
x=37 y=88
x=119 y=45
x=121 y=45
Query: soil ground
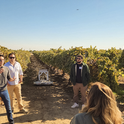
x=45 y=104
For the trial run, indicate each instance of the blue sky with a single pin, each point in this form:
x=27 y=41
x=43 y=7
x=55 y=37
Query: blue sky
x=45 y=24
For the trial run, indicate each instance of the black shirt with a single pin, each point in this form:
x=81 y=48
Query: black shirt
x=78 y=77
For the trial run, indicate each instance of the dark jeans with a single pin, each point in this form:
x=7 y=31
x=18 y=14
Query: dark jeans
x=5 y=97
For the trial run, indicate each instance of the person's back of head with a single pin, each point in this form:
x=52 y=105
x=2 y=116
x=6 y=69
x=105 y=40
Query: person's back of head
x=101 y=104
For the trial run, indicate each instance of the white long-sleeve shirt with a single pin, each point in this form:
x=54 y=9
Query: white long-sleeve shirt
x=15 y=71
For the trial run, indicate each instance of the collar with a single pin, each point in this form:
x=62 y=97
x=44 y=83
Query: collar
x=79 y=64
x=11 y=64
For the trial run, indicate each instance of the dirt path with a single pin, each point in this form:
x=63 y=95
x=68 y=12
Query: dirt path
x=45 y=104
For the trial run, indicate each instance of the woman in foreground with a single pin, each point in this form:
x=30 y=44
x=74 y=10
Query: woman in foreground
x=101 y=107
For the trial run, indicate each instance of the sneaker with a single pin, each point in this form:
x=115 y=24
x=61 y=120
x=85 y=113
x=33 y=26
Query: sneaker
x=75 y=105
x=23 y=111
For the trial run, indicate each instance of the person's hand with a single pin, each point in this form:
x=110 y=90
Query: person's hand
x=8 y=84
x=12 y=79
x=1 y=70
x=20 y=81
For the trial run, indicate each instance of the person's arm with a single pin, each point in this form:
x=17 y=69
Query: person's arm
x=71 y=74
x=20 y=74
x=21 y=78
x=12 y=79
x=88 y=73
x=9 y=77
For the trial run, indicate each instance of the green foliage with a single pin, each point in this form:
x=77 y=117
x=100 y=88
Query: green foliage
x=121 y=61
x=103 y=64
x=22 y=56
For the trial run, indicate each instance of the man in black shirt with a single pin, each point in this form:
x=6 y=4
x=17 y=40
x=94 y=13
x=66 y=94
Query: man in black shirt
x=80 y=78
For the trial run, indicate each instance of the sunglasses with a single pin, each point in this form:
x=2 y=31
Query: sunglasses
x=12 y=57
x=1 y=60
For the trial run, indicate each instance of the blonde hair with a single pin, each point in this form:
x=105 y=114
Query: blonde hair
x=101 y=104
